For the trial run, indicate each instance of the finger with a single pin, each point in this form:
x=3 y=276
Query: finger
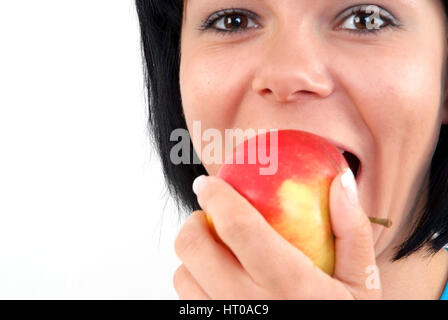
x=214 y=267
x=186 y=286
x=264 y=253
x=355 y=253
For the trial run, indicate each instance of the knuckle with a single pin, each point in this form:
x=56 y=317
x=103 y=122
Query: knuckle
x=238 y=228
x=187 y=242
x=360 y=228
x=363 y=228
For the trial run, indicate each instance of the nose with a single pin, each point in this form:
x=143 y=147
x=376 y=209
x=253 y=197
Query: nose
x=291 y=70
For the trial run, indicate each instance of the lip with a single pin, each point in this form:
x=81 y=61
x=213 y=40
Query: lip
x=343 y=147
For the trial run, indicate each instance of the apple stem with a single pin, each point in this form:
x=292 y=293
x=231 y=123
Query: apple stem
x=384 y=222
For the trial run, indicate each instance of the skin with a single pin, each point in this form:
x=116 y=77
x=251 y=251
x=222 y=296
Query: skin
x=381 y=95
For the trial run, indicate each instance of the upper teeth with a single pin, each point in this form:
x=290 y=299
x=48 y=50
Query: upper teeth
x=341 y=151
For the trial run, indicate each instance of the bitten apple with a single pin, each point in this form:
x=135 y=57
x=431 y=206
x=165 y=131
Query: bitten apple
x=295 y=199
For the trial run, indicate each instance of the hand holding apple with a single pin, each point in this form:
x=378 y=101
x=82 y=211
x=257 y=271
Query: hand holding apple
x=253 y=261
x=294 y=200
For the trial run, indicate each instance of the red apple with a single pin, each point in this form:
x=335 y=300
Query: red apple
x=295 y=199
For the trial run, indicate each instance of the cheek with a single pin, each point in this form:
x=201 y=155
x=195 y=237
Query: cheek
x=212 y=86
x=398 y=97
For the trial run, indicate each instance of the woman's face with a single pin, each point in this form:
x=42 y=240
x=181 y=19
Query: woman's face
x=315 y=66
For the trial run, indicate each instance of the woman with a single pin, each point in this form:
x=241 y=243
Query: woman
x=371 y=76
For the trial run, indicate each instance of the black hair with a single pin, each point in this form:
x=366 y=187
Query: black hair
x=160 y=27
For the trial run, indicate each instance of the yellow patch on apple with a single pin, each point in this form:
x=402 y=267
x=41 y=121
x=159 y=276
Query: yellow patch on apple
x=305 y=222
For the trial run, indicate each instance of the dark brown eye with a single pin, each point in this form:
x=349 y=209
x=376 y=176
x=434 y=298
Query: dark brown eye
x=361 y=21
x=368 y=19
x=231 y=21
x=235 y=21
x=364 y=21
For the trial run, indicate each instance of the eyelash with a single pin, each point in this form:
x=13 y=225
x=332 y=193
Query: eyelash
x=383 y=14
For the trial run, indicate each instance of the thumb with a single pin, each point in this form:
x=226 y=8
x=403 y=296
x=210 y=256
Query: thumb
x=355 y=262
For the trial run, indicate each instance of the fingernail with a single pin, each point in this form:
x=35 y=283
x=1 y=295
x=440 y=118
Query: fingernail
x=199 y=183
x=349 y=184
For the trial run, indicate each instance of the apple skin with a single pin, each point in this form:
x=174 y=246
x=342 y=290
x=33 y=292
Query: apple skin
x=294 y=200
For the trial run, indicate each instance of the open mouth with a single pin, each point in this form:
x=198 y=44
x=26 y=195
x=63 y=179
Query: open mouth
x=352 y=161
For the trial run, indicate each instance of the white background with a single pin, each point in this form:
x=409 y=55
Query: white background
x=83 y=209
